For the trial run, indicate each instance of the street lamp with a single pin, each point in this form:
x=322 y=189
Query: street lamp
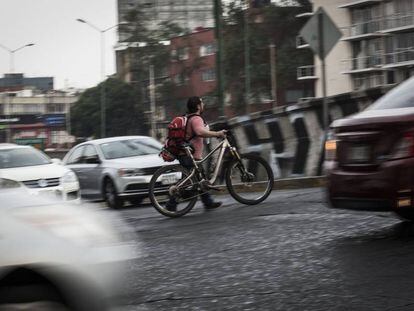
x=102 y=36
x=11 y=68
x=12 y=54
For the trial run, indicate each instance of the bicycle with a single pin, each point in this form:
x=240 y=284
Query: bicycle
x=242 y=176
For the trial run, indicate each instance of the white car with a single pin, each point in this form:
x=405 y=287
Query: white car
x=116 y=169
x=57 y=255
x=37 y=172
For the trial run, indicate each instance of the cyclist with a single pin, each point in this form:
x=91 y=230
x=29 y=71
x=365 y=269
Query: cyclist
x=197 y=130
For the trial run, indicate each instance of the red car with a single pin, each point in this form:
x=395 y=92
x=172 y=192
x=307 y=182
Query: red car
x=369 y=159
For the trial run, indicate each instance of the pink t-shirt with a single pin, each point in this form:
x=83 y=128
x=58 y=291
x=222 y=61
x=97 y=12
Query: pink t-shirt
x=195 y=127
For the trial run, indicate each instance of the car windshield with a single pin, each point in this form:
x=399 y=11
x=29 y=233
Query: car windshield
x=400 y=97
x=19 y=157
x=130 y=148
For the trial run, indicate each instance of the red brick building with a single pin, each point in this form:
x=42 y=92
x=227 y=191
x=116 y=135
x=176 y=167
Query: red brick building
x=192 y=69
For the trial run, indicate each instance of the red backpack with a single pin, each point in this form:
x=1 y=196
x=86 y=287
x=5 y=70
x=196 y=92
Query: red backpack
x=177 y=130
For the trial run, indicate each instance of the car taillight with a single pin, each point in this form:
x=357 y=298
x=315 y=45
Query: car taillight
x=404 y=148
x=330 y=148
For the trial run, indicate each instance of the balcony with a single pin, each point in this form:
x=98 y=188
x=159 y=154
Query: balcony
x=304 y=15
x=400 y=58
x=363 y=82
x=301 y=43
x=358 y=3
x=364 y=30
x=363 y=64
x=306 y=73
x=398 y=22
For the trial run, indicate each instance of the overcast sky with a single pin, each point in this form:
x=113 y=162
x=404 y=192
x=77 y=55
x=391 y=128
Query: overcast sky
x=65 y=49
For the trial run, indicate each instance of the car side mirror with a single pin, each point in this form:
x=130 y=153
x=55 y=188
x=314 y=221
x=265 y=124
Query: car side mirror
x=57 y=161
x=92 y=160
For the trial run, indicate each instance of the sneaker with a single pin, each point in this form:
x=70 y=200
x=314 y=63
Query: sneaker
x=170 y=207
x=213 y=205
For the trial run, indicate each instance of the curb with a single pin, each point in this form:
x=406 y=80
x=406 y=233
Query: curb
x=288 y=184
x=299 y=182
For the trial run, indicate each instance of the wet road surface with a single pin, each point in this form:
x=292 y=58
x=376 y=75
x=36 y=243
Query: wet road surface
x=288 y=253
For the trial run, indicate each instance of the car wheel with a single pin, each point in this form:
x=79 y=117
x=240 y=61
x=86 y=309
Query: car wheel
x=136 y=201
x=111 y=196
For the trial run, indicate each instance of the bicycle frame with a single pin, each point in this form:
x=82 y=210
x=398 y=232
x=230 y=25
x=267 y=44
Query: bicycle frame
x=223 y=145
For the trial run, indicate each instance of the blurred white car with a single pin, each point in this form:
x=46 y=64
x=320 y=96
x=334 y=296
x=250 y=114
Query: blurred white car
x=116 y=169
x=37 y=172
x=57 y=255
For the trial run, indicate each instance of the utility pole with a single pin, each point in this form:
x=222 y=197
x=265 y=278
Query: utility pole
x=11 y=52
x=103 y=75
x=322 y=52
x=272 y=48
x=219 y=55
x=152 y=100
x=247 y=56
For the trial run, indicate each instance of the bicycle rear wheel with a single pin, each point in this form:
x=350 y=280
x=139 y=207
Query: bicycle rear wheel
x=249 y=181
x=166 y=190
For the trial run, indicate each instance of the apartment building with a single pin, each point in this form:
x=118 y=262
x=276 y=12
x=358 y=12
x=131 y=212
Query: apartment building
x=192 y=68
x=376 y=49
x=18 y=80
x=188 y=14
x=30 y=117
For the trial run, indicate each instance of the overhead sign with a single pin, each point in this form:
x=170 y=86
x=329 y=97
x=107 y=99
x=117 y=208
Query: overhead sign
x=330 y=34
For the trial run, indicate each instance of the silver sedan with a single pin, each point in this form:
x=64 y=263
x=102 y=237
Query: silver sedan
x=116 y=169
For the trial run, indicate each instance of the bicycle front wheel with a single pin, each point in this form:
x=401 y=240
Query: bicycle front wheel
x=171 y=192
x=249 y=181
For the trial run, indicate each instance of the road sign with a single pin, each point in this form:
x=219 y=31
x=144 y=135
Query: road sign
x=330 y=34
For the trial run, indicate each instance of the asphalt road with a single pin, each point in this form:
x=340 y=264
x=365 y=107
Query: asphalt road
x=289 y=253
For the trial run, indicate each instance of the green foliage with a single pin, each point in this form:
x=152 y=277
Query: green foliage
x=124 y=111
x=154 y=52
x=272 y=24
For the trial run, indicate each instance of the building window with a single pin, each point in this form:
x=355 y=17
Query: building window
x=208 y=75
x=366 y=81
x=174 y=55
x=183 y=53
x=56 y=108
x=207 y=49
x=181 y=79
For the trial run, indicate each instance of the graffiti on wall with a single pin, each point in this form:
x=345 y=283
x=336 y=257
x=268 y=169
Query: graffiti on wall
x=291 y=139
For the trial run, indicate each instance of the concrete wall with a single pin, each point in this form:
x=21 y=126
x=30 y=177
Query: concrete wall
x=291 y=139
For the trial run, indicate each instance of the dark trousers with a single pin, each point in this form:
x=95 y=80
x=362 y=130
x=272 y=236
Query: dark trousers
x=186 y=162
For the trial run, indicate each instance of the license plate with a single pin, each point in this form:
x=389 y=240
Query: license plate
x=169 y=179
x=359 y=154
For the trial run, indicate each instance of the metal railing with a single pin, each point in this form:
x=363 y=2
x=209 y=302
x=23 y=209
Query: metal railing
x=300 y=42
x=368 y=81
x=363 y=28
x=379 y=24
x=400 y=56
x=306 y=72
x=398 y=20
x=365 y=62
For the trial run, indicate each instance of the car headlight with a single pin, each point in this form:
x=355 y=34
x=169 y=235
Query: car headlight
x=330 y=147
x=130 y=172
x=69 y=177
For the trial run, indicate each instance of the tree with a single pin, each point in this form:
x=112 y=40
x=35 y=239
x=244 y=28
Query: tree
x=147 y=47
x=270 y=24
x=124 y=111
